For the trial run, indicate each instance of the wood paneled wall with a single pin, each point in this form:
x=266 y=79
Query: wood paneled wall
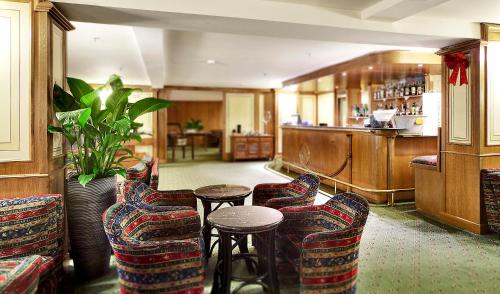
x=44 y=172
x=209 y=112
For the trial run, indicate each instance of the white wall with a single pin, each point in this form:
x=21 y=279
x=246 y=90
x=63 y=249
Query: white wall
x=287 y=105
x=239 y=111
x=325 y=109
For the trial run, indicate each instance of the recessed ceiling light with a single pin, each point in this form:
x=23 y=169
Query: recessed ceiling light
x=370 y=67
x=211 y=61
x=344 y=74
x=420 y=65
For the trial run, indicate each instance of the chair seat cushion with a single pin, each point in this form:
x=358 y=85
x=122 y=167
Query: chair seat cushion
x=425 y=160
x=19 y=275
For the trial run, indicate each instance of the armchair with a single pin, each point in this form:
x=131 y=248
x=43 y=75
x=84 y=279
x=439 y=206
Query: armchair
x=490 y=192
x=322 y=242
x=300 y=191
x=146 y=172
x=32 y=226
x=20 y=275
x=156 y=251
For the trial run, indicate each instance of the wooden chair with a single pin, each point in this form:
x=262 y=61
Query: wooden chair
x=176 y=138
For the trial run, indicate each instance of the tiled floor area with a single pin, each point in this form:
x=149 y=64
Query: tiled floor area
x=401 y=252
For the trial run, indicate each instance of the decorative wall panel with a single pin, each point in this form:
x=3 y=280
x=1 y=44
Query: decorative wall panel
x=460 y=120
x=493 y=94
x=15 y=61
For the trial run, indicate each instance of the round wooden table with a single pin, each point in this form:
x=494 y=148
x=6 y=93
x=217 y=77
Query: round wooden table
x=234 y=195
x=240 y=221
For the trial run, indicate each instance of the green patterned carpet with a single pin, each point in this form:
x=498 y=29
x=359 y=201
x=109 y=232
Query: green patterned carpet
x=401 y=252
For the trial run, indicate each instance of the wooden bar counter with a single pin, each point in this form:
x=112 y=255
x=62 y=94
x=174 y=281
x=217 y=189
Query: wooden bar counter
x=368 y=158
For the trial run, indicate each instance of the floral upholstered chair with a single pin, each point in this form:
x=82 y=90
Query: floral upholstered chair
x=32 y=236
x=138 y=192
x=322 y=242
x=490 y=192
x=158 y=250
x=299 y=192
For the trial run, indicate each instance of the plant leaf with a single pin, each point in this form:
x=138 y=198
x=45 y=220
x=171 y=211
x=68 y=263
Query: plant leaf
x=54 y=129
x=85 y=179
x=115 y=81
x=117 y=101
x=78 y=87
x=146 y=105
x=69 y=117
x=62 y=100
x=84 y=117
x=88 y=99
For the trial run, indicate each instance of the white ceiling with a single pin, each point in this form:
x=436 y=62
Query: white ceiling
x=256 y=43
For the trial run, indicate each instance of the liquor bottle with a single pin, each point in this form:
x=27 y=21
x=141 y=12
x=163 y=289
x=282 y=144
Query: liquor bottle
x=392 y=106
x=407 y=90
x=405 y=109
x=419 y=87
x=414 y=108
x=413 y=89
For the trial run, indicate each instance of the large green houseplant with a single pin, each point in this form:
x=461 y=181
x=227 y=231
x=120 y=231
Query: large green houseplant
x=96 y=131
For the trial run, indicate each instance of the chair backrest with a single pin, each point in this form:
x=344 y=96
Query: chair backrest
x=490 y=192
x=32 y=225
x=144 y=170
x=346 y=210
x=310 y=182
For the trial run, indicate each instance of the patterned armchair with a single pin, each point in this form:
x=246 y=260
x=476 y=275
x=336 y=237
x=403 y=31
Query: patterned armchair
x=138 y=192
x=322 y=242
x=299 y=192
x=157 y=250
x=32 y=237
x=490 y=190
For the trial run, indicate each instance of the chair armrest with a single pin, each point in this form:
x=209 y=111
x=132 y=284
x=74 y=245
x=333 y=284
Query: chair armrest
x=330 y=259
x=174 y=198
x=24 y=275
x=263 y=192
x=296 y=219
x=282 y=202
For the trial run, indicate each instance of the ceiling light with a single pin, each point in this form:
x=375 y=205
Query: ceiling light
x=370 y=67
x=344 y=74
x=211 y=61
x=420 y=65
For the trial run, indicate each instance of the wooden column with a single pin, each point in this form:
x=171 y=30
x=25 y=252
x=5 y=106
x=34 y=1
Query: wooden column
x=43 y=171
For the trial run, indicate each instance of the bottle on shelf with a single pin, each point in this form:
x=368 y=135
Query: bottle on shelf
x=406 y=90
x=404 y=109
x=413 y=89
x=414 y=108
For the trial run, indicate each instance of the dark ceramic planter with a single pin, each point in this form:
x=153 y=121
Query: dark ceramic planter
x=90 y=248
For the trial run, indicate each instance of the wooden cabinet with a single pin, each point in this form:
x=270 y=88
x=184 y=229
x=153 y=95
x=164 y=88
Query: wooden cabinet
x=252 y=147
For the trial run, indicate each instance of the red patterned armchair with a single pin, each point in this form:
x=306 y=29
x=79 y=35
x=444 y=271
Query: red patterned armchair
x=31 y=243
x=300 y=191
x=490 y=190
x=322 y=242
x=158 y=250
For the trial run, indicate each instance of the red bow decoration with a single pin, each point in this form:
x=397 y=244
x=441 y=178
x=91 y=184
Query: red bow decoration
x=457 y=63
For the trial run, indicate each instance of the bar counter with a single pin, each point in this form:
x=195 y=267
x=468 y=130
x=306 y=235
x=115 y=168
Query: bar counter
x=371 y=159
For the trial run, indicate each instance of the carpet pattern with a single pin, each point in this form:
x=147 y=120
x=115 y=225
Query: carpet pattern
x=401 y=252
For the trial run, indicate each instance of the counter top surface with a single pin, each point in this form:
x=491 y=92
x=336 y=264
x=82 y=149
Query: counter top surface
x=352 y=128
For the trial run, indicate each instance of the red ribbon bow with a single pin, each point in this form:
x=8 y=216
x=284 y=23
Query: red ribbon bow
x=457 y=63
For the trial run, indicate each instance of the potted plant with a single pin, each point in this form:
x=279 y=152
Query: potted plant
x=96 y=132
x=193 y=126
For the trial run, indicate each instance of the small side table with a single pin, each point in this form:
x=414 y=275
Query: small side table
x=240 y=221
x=234 y=195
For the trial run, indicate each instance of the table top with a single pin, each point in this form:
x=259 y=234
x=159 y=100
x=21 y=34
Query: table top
x=245 y=219
x=222 y=192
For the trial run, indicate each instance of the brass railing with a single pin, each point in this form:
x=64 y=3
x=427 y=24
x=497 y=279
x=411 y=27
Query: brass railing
x=390 y=200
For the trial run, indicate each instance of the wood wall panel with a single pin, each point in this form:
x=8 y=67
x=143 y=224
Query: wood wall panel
x=209 y=112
